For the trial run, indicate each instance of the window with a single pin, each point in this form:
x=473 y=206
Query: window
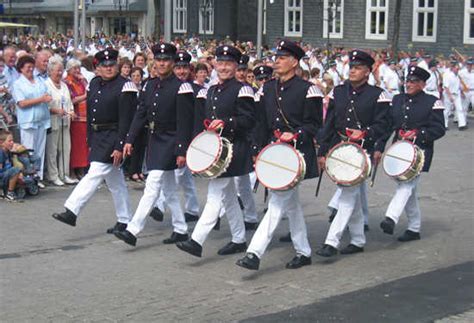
x=425 y=14
x=376 y=19
x=469 y=22
x=264 y=22
x=333 y=18
x=180 y=16
x=206 y=17
x=294 y=18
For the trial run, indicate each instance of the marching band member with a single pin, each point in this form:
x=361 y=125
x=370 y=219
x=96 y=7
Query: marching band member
x=111 y=100
x=362 y=109
x=452 y=97
x=292 y=107
x=433 y=84
x=184 y=178
x=166 y=104
x=230 y=106
x=421 y=116
x=467 y=78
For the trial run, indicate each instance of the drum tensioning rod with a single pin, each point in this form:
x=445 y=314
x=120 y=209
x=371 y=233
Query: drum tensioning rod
x=278 y=166
x=203 y=151
x=344 y=162
x=400 y=158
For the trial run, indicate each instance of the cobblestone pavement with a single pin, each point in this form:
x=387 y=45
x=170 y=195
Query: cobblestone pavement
x=53 y=272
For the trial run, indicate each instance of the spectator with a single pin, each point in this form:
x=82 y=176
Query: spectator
x=10 y=71
x=41 y=65
x=77 y=88
x=125 y=68
x=201 y=74
x=32 y=100
x=9 y=174
x=58 y=141
x=87 y=68
x=6 y=111
x=136 y=160
x=140 y=61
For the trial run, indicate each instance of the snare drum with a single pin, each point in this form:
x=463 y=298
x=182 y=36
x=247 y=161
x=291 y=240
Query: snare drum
x=209 y=155
x=403 y=160
x=348 y=164
x=279 y=166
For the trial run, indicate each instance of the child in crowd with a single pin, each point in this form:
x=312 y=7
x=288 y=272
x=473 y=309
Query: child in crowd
x=9 y=174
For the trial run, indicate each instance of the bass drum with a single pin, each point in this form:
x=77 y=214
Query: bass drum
x=348 y=164
x=280 y=166
x=209 y=155
x=403 y=160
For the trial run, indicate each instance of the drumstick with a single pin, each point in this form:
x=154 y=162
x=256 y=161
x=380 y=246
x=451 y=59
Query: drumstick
x=276 y=165
x=345 y=162
x=374 y=172
x=265 y=196
x=319 y=182
x=255 y=186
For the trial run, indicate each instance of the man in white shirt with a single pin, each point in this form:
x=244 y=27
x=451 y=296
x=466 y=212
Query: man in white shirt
x=391 y=81
x=452 y=99
x=467 y=77
x=424 y=63
x=433 y=83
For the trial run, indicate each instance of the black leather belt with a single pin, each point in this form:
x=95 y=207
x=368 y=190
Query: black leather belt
x=104 y=126
x=161 y=127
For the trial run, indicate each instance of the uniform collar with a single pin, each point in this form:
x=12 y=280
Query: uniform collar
x=417 y=95
x=359 y=89
x=225 y=84
x=102 y=81
x=168 y=78
x=287 y=83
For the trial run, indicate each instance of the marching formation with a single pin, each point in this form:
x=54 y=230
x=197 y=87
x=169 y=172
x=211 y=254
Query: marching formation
x=239 y=136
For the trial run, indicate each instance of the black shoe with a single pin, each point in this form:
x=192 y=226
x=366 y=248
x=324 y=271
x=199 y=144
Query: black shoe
x=265 y=210
x=156 y=214
x=409 y=236
x=366 y=228
x=250 y=226
x=250 y=261
x=332 y=215
x=462 y=128
x=176 y=237
x=298 y=261
x=188 y=217
x=241 y=204
x=285 y=238
x=232 y=248
x=350 y=249
x=191 y=247
x=126 y=237
x=117 y=227
x=66 y=217
x=326 y=251
x=387 y=225
x=217 y=226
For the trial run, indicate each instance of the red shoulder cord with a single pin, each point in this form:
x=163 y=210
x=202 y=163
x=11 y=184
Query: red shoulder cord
x=349 y=133
x=278 y=134
x=407 y=134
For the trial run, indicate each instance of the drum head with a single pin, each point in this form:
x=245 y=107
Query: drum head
x=203 y=151
x=346 y=163
x=277 y=166
x=398 y=158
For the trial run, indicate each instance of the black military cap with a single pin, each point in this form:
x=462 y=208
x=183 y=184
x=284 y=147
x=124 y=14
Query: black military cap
x=228 y=53
x=106 y=57
x=164 y=51
x=416 y=73
x=454 y=62
x=358 y=57
x=263 y=72
x=413 y=59
x=427 y=56
x=289 y=48
x=182 y=58
x=243 y=61
x=332 y=63
x=433 y=63
x=392 y=62
x=470 y=61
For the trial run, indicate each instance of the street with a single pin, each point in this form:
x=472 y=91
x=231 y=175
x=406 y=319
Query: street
x=51 y=272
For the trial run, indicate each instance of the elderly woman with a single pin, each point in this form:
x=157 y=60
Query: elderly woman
x=77 y=88
x=32 y=98
x=58 y=141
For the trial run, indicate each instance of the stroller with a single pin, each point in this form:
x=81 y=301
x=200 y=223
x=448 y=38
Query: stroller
x=26 y=160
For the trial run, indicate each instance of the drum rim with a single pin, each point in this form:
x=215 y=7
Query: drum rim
x=366 y=164
x=299 y=165
x=216 y=158
x=413 y=146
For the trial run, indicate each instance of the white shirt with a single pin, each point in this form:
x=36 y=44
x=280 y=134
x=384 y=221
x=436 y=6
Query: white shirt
x=391 y=82
x=61 y=98
x=451 y=82
x=467 y=78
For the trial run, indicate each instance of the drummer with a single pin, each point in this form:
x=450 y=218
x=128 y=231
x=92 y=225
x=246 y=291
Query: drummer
x=230 y=107
x=420 y=115
x=361 y=109
x=292 y=107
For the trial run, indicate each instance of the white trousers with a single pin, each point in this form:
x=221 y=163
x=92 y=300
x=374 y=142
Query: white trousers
x=334 y=202
x=280 y=203
x=349 y=214
x=115 y=181
x=185 y=180
x=164 y=181
x=468 y=99
x=58 y=151
x=220 y=194
x=244 y=188
x=460 y=113
x=406 y=198
x=35 y=139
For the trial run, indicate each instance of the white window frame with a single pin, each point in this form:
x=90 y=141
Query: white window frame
x=340 y=8
x=293 y=10
x=468 y=11
x=425 y=10
x=210 y=30
x=177 y=11
x=378 y=9
x=264 y=31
